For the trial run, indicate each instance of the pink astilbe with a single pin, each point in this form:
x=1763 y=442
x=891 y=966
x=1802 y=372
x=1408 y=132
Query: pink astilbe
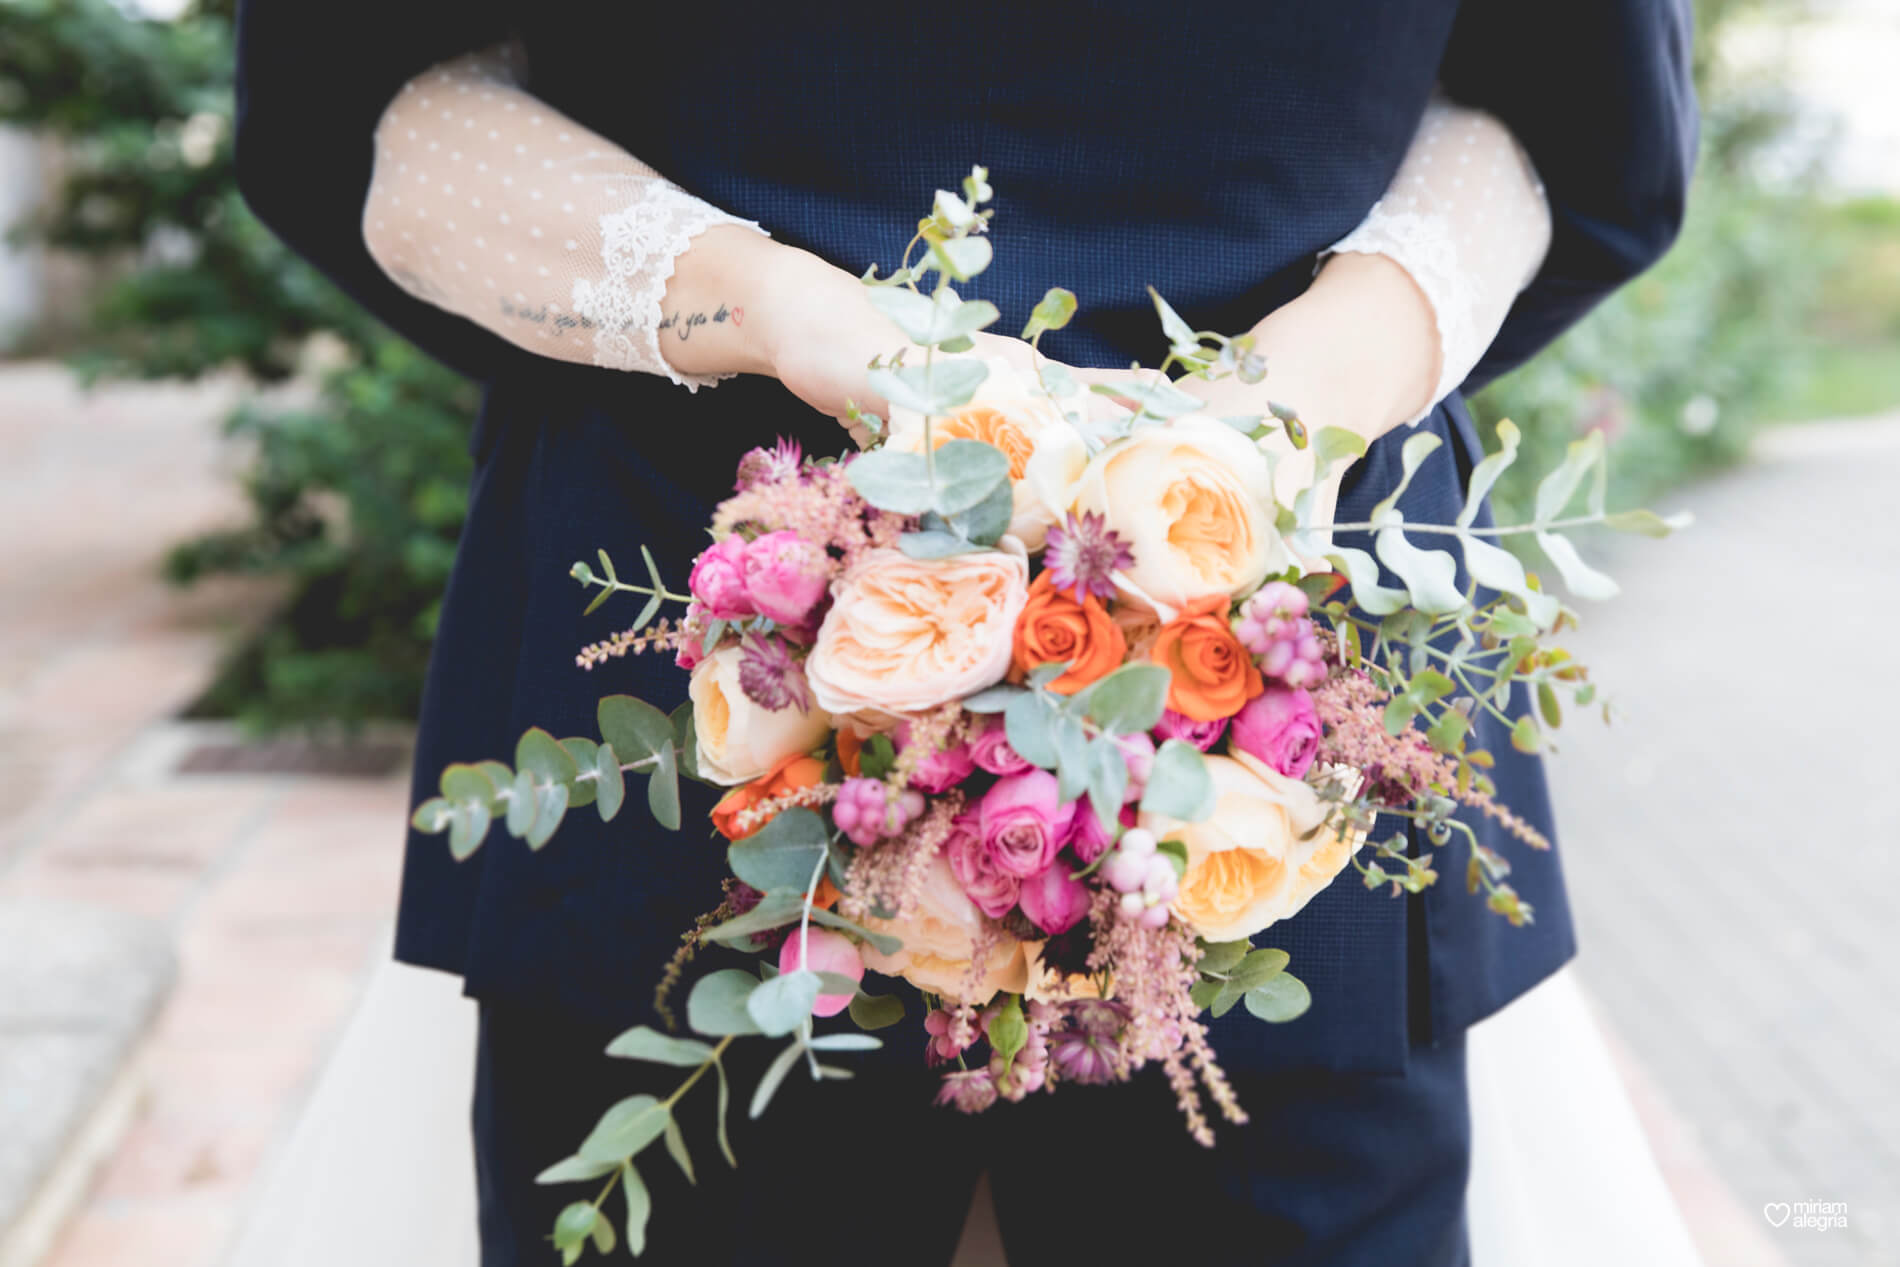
x=821 y=508
x=891 y=874
x=1399 y=768
x=664 y=636
x=747 y=821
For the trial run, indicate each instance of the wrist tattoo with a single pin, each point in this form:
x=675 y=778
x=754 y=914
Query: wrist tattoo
x=684 y=323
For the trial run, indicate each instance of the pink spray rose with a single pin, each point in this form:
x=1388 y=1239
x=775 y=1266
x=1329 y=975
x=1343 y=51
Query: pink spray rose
x=993 y=890
x=718 y=579
x=991 y=751
x=830 y=952
x=786 y=576
x=1053 y=901
x=1280 y=727
x=1202 y=734
x=941 y=770
x=1023 y=821
x=1088 y=838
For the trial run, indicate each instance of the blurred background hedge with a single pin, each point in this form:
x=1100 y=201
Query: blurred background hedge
x=1776 y=304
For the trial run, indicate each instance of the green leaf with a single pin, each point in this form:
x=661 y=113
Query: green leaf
x=1555 y=490
x=1336 y=444
x=585 y=752
x=846 y=1042
x=783 y=853
x=550 y=808
x=1548 y=706
x=542 y=755
x=625 y=1129
x=686 y=740
x=1361 y=569
x=985 y=523
x=992 y=699
x=782 y=1004
x=575 y=1170
x=1445 y=734
x=643 y=1043
x=1499 y=569
x=432 y=816
x=1174 y=851
x=1525 y=736
x=1258 y=968
x=676 y=1148
x=1072 y=757
x=610 y=787
x=1223 y=956
x=773 y=1076
x=877 y=757
x=663 y=789
x=1107 y=780
x=1206 y=993
x=1283 y=998
x=1156 y=396
x=1584 y=581
x=1029 y=722
x=876 y=1011
x=968 y=471
x=775 y=911
x=1418 y=446
x=933 y=390
x=933 y=319
x=961 y=258
x=1430 y=576
x=1051 y=312
x=893 y=480
x=1485 y=474
x=463 y=783
x=574 y=1224
x=1130 y=699
x=522 y=806
x=639 y=1209
x=1180 y=334
x=603 y=1236
x=884 y=943
x=632 y=727
x=1647 y=522
x=935 y=544
x=467 y=829
x=1179 y=785
x=717 y=1004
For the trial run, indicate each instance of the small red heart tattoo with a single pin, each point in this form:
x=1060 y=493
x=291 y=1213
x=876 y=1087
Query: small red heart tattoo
x=738 y=316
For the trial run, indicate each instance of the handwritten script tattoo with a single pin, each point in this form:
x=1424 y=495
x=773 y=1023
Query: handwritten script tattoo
x=684 y=323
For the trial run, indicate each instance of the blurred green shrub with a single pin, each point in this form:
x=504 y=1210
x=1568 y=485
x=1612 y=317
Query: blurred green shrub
x=357 y=494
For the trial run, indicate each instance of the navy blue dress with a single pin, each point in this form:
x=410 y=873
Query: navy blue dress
x=1212 y=160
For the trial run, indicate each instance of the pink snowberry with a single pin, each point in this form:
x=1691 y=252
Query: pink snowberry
x=866 y=812
x=1274 y=626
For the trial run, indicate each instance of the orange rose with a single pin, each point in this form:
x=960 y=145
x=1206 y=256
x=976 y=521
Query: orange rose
x=826 y=895
x=850 y=750
x=1213 y=676
x=1054 y=628
x=794 y=772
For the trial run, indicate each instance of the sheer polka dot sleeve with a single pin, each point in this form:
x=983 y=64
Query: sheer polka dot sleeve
x=1466 y=217
x=487 y=202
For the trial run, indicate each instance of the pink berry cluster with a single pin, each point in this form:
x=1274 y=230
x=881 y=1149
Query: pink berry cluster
x=1275 y=627
x=867 y=812
x=1144 y=876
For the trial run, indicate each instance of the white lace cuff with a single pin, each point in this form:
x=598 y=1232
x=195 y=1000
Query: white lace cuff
x=1466 y=218
x=640 y=244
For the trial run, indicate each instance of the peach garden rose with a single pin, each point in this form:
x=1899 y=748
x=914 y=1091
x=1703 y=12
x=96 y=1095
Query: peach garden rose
x=908 y=634
x=939 y=936
x=1194 y=499
x=1247 y=865
x=738 y=739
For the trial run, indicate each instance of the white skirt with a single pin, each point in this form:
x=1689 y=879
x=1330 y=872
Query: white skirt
x=379 y=1171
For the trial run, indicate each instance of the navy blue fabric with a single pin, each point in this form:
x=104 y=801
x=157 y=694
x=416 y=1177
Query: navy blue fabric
x=1332 y=1170
x=1213 y=160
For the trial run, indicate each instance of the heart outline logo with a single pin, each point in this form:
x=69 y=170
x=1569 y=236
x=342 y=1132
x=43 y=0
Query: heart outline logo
x=738 y=316
x=1776 y=1212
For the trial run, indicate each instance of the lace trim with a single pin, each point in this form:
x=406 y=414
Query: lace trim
x=1422 y=245
x=640 y=244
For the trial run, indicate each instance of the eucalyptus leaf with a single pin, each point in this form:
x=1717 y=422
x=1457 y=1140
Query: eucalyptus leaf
x=1107 y=779
x=1259 y=967
x=575 y=1170
x=432 y=816
x=581 y=792
x=663 y=788
x=643 y=1043
x=1179 y=785
x=846 y=1042
x=610 y=787
x=639 y=1209
x=1051 y=312
x=1583 y=580
x=632 y=727
x=1418 y=446
x=1029 y=722
x=1496 y=568
x=542 y=755
x=1647 y=522
x=725 y=1108
x=876 y=1011
x=1131 y=699
x=467 y=827
x=1180 y=334
x=574 y=1224
x=467 y=783
x=550 y=808
x=773 y=1076
x=935 y=545
x=783 y=853
x=985 y=523
x=993 y=699
x=1430 y=576
x=1485 y=474
x=522 y=806
x=893 y=480
x=962 y=258
x=625 y=1129
x=784 y=1003
x=676 y=1148
x=1223 y=956
x=717 y=1004
x=1072 y=756
x=968 y=471
x=1555 y=490
x=884 y=943
x=1336 y=444
x=1281 y=999
x=1363 y=571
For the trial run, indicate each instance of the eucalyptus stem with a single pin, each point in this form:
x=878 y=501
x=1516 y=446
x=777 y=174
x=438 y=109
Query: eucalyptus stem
x=594 y=579
x=1453 y=530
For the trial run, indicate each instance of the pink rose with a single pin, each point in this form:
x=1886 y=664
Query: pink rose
x=991 y=751
x=786 y=576
x=1088 y=838
x=941 y=770
x=1138 y=751
x=1053 y=901
x=830 y=952
x=1023 y=821
x=1202 y=734
x=1280 y=727
x=994 y=891
x=718 y=579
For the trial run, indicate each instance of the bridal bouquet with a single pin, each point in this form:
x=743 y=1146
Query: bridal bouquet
x=1048 y=706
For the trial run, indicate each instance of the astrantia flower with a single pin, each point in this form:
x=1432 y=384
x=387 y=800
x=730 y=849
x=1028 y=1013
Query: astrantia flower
x=778 y=464
x=1085 y=1058
x=770 y=677
x=1083 y=553
x=969 y=1092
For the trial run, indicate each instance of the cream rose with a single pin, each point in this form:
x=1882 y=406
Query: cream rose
x=1046 y=455
x=1247 y=864
x=939 y=936
x=908 y=634
x=1194 y=500
x=738 y=740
